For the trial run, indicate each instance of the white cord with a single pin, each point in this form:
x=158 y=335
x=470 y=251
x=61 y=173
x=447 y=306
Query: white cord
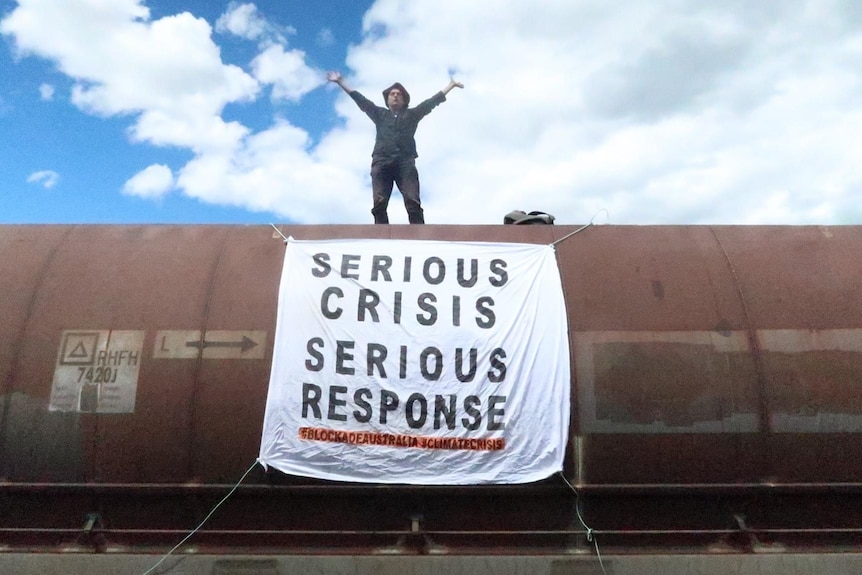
x=278 y=231
x=590 y=537
x=195 y=530
x=592 y=223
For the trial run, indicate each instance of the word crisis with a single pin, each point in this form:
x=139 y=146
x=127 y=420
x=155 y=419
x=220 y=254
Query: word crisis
x=418 y=410
x=432 y=270
x=430 y=359
x=367 y=301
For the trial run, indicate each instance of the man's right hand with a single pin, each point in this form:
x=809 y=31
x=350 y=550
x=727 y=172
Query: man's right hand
x=335 y=76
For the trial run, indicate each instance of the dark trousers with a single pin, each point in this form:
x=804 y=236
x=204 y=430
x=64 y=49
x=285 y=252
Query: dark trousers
x=403 y=173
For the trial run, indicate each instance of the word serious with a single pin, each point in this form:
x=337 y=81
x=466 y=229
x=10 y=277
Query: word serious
x=393 y=354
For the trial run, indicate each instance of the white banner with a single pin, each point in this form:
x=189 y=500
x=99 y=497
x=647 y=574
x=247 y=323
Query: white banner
x=419 y=362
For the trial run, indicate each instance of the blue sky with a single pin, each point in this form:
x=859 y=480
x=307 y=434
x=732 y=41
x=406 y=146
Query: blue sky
x=655 y=112
x=92 y=155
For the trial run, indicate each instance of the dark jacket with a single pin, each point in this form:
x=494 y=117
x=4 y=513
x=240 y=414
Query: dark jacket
x=395 y=132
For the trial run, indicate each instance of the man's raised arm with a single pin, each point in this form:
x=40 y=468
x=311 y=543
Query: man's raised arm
x=364 y=103
x=336 y=77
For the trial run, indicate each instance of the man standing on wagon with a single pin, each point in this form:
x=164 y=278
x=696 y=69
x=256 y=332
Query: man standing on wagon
x=393 y=160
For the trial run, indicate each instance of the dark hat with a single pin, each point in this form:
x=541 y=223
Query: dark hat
x=403 y=93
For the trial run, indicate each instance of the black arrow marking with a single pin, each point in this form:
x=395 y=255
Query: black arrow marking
x=246 y=344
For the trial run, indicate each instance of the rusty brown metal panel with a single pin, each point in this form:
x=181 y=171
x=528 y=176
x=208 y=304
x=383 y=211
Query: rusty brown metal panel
x=666 y=383
x=133 y=278
x=798 y=381
x=671 y=407
x=813 y=379
x=25 y=253
x=797 y=277
x=668 y=460
x=678 y=292
x=165 y=277
x=661 y=278
x=33 y=444
x=815 y=403
x=231 y=395
x=703 y=358
x=800 y=286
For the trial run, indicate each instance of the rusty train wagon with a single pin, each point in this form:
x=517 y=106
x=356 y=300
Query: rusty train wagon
x=716 y=426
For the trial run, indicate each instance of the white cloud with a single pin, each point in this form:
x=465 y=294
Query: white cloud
x=123 y=63
x=290 y=77
x=46 y=92
x=660 y=111
x=152 y=182
x=46 y=178
x=245 y=21
x=242 y=20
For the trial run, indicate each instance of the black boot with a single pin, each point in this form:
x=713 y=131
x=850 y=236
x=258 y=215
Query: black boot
x=416 y=217
x=380 y=217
